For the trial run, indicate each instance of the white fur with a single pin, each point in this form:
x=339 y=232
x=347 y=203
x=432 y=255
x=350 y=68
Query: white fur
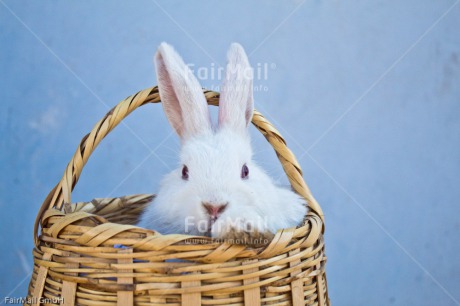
x=215 y=159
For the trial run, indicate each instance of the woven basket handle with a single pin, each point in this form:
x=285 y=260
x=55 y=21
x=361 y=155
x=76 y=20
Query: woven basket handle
x=62 y=192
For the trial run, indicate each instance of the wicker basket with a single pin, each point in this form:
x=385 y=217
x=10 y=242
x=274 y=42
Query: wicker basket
x=92 y=254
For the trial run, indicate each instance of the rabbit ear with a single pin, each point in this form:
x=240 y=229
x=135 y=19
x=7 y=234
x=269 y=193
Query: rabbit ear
x=236 y=105
x=182 y=96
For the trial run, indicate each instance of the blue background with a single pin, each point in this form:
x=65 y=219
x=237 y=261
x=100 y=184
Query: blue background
x=366 y=94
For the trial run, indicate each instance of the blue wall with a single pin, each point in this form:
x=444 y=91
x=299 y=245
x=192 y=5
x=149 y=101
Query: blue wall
x=366 y=94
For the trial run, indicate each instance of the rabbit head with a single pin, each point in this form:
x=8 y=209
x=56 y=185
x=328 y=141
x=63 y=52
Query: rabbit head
x=217 y=190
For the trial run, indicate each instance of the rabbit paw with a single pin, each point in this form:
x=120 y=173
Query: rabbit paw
x=244 y=232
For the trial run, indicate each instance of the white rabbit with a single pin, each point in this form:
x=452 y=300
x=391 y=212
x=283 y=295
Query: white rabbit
x=217 y=191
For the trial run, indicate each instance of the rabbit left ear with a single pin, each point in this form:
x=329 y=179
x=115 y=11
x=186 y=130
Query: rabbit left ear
x=236 y=104
x=182 y=96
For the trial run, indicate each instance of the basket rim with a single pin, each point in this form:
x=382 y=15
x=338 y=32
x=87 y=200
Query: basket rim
x=80 y=228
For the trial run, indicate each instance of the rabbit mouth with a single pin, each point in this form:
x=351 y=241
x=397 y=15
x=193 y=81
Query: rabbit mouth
x=208 y=232
x=211 y=222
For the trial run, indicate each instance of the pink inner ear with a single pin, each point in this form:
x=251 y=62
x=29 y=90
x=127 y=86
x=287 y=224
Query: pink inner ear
x=168 y=96
x=236 y=107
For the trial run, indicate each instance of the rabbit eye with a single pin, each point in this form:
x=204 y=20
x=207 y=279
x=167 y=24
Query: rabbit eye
x=244 y=172
x=185 y=173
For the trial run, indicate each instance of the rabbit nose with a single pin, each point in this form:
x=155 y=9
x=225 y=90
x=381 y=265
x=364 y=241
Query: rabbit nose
x=214 y=210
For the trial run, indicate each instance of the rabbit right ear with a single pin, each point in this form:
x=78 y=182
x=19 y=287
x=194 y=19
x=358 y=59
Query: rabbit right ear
x=181 y=95
x=236 y=103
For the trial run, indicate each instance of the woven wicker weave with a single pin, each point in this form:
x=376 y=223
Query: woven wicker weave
x=92 y=254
